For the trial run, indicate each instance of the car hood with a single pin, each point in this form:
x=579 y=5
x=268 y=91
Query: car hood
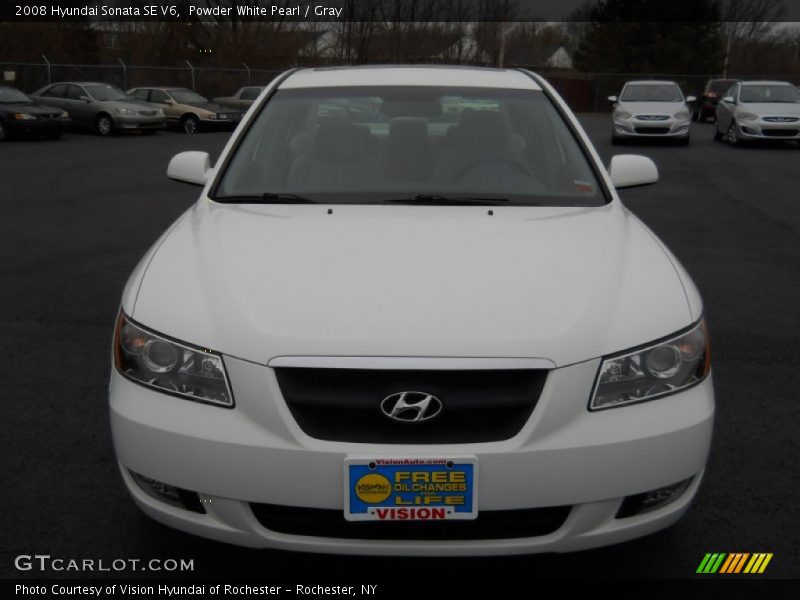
x=30 y=108
x=255 y=282
x=652 y=108
x=772 y=108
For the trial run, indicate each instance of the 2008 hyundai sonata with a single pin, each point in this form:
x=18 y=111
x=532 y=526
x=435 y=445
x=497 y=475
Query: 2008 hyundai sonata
x=409 y=314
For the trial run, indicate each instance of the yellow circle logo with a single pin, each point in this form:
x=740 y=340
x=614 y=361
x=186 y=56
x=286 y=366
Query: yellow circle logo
x=373 y=488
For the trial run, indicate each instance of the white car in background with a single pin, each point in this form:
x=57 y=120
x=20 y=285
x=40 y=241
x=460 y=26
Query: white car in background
x=409 y=315
x=759 y=110
x=651 y=109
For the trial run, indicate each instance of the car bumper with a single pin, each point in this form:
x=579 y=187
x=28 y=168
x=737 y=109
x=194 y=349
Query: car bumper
x=769 y=131
x=219 y=123
x=565 y=456
x=39 y=126
x=634 y=128
x=139 y=122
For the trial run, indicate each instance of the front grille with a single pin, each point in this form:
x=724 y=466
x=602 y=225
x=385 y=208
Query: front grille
x=652 y=130
x=779 y=132
x=344 y=404
x=781 y=119
x=235 y=117
x=148 y=113
x=490 y=525
x=652 y=117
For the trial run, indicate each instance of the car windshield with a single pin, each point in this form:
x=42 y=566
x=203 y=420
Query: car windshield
x=370 y=145
x=652 y=93
x=11 y=95
x=104 y=93
x=187 y=97
x=720 y=86
x=769 y=93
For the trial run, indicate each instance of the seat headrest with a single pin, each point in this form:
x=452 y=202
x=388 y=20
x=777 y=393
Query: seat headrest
x=484 y=130
x=338 y=141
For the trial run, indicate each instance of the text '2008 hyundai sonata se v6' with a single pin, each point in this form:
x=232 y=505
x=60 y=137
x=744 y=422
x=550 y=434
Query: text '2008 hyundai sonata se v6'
x=408 y=314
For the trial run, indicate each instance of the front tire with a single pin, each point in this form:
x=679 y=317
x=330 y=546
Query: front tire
x=3 y=132
x=717 y=132
x=684 y=141
x=733 y=135
x=190 y=124
x=103 y=125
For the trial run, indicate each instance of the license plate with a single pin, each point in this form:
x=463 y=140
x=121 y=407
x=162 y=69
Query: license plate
x=410 y=489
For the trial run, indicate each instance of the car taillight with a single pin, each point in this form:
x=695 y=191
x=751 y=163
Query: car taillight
x=710 y=95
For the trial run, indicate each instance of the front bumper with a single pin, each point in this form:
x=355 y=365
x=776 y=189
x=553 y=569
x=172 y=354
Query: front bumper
x=637 y=128
x=564 y=456
x=39 y=126
x=219 y=124
x=136 y=122
x=760 y=130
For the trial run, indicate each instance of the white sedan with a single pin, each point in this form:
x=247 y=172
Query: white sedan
x=759 y=110
x=409 y=315
x=651 y=109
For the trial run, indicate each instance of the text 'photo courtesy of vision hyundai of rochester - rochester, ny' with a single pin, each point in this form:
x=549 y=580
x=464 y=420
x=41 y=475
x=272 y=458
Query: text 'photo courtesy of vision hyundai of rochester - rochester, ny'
x=408 y=314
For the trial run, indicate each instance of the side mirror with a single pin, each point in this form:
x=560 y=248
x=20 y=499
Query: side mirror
x=690 y=99
x=169 y=102
x=729 y=100
x=190 y=167
x=612 y=98
x=85 y=98
x=630 y=170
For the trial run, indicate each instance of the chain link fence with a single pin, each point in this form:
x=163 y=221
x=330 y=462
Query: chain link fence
x=584 y=92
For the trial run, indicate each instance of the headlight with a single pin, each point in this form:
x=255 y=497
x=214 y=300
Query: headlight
x=654 y=371
x=159 y=112
x=126 y=112
x=682 y=115
x=24 y=117
x=621 y=114
x=746 y=116
x=220 y=116
x=64 y=115
x=170 y=366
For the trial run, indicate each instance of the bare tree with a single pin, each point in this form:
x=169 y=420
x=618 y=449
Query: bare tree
x=747 y=23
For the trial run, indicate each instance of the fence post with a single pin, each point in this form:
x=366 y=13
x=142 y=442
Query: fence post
x=47 y=62
x=249 y=82
x=192 y=68
x=124 y=74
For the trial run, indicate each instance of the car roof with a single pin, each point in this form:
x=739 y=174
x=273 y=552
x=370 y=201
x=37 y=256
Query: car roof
x=651 y=82
x=417 y=75
x=766 y=83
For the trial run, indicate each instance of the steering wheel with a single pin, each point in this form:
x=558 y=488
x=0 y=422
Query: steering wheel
x=520 y=168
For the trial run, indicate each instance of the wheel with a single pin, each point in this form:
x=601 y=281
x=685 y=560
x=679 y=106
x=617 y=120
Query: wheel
x=701 y=116
x=190 y=124
x=615 y=141
x=103 y=125
x=684 y=141
x=54 y=135
x=717 y=133
x=3 y=132
x=733 y=135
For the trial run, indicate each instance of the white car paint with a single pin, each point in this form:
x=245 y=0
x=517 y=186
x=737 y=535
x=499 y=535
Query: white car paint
x=738 y=120
x=268 y=286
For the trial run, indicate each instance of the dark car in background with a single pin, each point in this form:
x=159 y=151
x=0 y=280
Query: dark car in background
x=102 y=107
x=22 y=116
x=706 y=105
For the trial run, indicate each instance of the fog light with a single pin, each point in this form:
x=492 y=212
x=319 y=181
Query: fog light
x=652 y=500
x=169 y=493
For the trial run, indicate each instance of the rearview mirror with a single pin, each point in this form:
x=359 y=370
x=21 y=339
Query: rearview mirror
x=691 y=99
x=190 y=167
x=729 y=100
x=630 y=170
x=612 y=98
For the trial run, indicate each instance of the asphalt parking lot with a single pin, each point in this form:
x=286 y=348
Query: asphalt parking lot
x=78 y=213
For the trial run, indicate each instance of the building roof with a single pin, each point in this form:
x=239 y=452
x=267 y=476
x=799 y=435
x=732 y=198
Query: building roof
x=434 y=75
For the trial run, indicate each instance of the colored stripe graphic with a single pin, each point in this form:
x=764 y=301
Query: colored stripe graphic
x=758 y=563
x=734 y=563
x=711 y=562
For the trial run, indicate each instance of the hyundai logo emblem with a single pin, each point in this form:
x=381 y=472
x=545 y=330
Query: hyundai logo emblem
x=411 y=407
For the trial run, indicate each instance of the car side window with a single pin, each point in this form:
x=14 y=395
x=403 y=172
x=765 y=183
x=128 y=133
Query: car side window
x=56 y=91
x=74 y=92
x=158 y=96
x=140 y=95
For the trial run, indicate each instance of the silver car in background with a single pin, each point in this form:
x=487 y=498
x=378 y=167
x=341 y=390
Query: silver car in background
x=759 y=110
x=651 y=109
x=101 y=107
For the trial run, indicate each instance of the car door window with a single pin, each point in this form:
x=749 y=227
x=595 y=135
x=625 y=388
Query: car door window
x=158 y=96
x=74 y=92
x=141 y=95
x=56 y=91
x=250 y=93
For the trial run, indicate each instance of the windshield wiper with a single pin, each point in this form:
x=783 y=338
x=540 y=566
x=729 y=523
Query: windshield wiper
x=436 y=199
x=266 y=198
